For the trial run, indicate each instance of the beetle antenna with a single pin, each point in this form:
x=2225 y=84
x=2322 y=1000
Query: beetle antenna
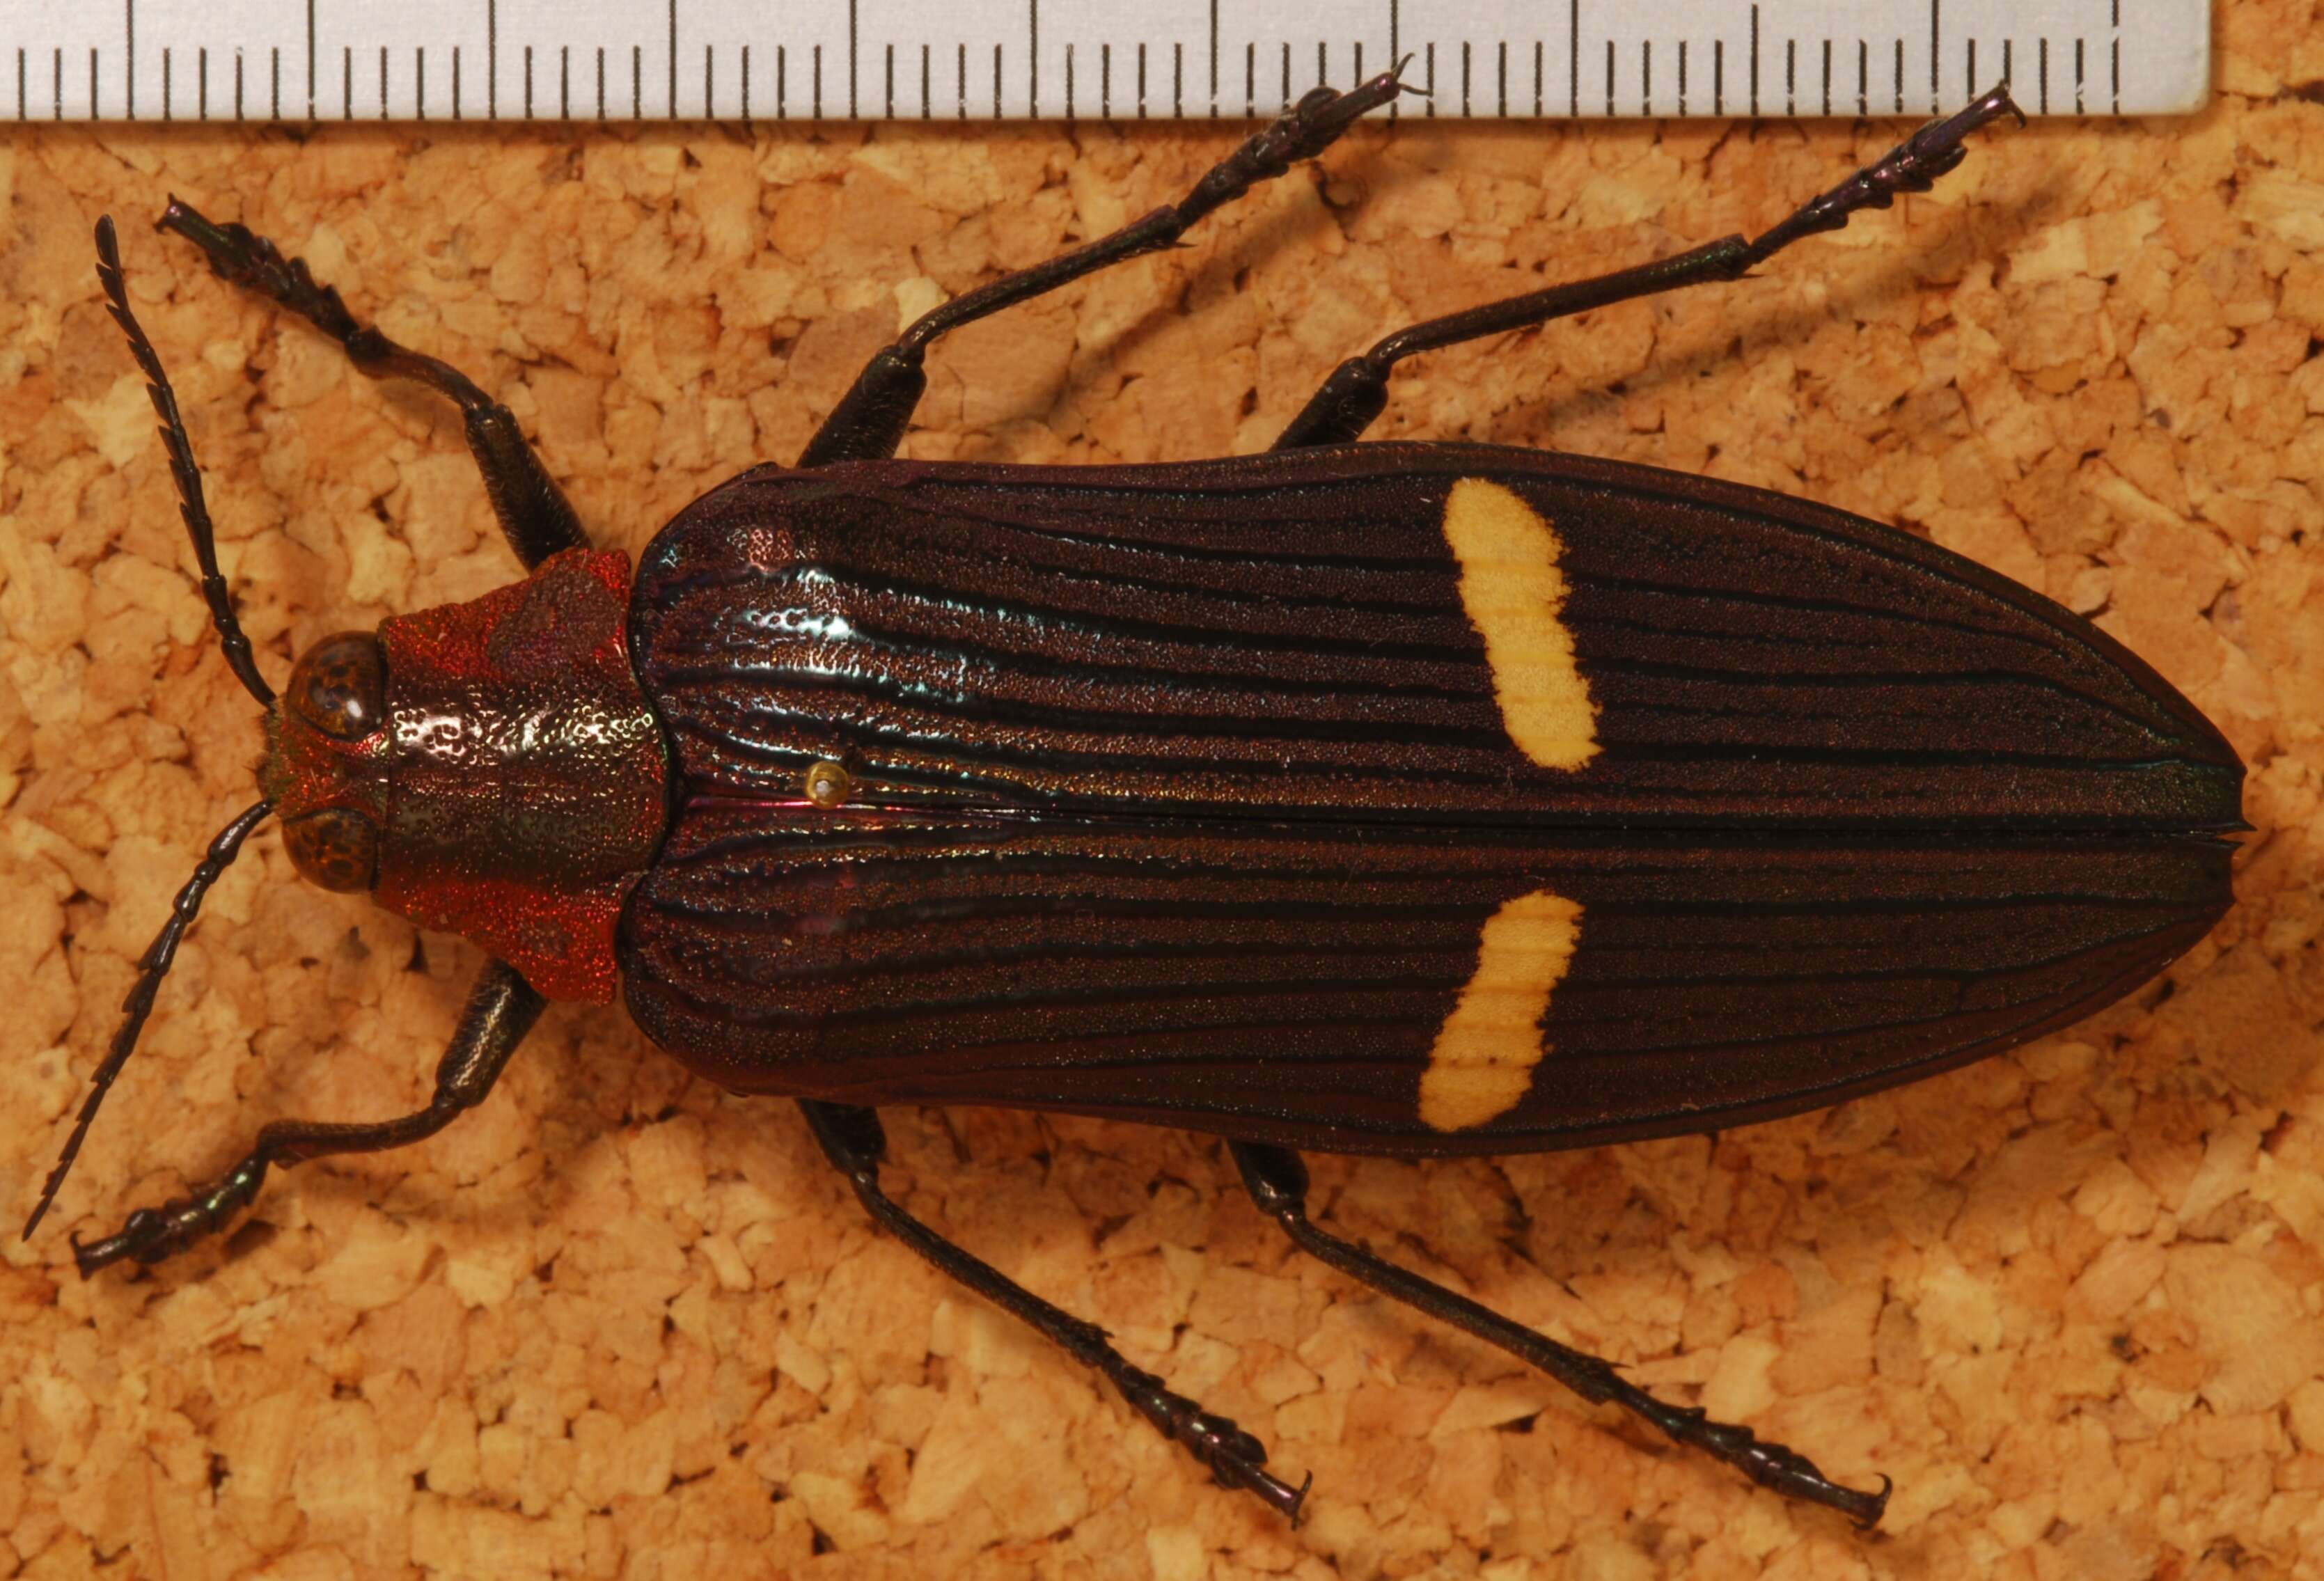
x=181 y=467
x=151 y=969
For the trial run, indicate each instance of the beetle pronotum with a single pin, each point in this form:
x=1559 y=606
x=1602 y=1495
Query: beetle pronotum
x=1411 y=799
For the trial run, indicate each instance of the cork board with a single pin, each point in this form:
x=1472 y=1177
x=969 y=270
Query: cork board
x=614 y=1323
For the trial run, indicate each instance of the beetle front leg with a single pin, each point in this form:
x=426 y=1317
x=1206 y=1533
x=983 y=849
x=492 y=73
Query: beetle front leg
x=1277 y=1180
x=501 y=1009
x=533 y=511
x=854 y=1142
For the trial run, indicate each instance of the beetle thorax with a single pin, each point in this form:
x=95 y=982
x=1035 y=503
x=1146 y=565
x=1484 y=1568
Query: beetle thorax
x=511 y=776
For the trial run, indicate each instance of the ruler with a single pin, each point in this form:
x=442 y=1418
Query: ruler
x=1126 y=60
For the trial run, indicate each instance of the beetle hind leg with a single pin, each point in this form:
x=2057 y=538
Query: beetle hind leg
x=1355 y=392
x=532 y=509
x=501 y=1009
x=1277 y=1183
x=854 y=1142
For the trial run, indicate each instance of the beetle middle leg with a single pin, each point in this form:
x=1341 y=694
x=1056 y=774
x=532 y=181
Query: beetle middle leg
x=502 y=1008
x=854 y=1142
x=870 y=419
x=533 y=511
x=1277 y=1180
x=1355 y=392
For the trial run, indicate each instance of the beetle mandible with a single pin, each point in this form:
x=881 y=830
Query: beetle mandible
x=1409 y=799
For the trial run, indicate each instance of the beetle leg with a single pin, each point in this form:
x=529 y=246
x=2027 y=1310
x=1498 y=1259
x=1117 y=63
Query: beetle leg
x=532 y=509
x=1276 y=1180
x=854 y=1142
x=502 y=1008
x=1357 y=391
x=870 y=419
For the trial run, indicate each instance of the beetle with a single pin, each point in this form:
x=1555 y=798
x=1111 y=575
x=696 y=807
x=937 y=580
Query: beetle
x=1419 y=800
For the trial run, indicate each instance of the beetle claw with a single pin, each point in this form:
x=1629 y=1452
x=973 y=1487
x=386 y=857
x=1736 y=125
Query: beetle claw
x=141 y=1237
x=1233 y=1456
x=1323 y=113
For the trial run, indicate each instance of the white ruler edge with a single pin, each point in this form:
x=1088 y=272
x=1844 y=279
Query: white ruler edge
x=1125 y=60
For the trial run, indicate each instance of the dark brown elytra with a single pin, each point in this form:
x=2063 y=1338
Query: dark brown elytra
x=1408 y=799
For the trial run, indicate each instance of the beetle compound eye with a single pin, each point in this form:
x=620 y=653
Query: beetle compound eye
x=340 y=686
x=335 y=848
x=828 y=785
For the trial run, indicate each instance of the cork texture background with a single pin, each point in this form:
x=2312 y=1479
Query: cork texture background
x=616 y=1324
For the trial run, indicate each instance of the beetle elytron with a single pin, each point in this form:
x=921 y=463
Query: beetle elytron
x=1412 y=799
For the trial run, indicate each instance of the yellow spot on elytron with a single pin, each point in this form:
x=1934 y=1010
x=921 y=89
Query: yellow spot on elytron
x=1485 y=1053
x=1514 y=592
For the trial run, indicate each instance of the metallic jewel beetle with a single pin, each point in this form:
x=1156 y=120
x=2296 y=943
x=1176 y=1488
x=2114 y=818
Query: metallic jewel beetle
x=1411 y=799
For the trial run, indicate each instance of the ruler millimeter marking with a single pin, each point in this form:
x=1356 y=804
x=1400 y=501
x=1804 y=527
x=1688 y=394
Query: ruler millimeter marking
x=1125 y=60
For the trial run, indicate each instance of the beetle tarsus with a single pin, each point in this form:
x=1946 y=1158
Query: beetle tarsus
x=241 y=257
x=150 y=1234
x=1774 y=1467
x=1323 y=113
x=1914 y=165
x=1235 y=1457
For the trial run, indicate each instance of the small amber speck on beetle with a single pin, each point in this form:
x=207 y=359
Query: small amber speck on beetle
x=828 y=784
